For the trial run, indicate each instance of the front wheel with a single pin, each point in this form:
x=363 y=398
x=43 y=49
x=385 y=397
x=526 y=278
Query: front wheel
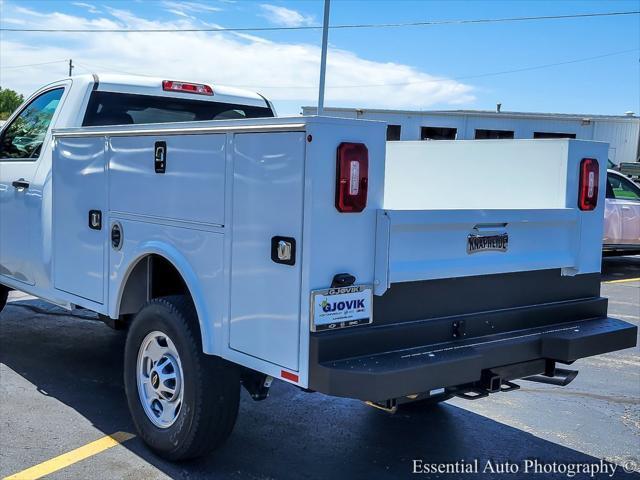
x=183 y=403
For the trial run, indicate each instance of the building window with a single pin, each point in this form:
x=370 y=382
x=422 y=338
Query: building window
x=493 y=134
x=553 y=135
x=438 y=133
x=393 y=132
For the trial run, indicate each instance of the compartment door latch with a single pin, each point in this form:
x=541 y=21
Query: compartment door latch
x=160 y=157
x=95 y=219
x=283 y=250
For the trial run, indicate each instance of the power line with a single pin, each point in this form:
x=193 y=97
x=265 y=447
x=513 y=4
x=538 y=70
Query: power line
x=318 y=27
x=504 y=72
x=444 y=80
x=90 y=67
x=32 y=64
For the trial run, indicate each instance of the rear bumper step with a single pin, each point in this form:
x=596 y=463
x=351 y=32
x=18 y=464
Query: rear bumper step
x=415 y=370
x=560 y=377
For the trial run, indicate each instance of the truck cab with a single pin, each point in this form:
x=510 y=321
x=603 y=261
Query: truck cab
x=85 y=100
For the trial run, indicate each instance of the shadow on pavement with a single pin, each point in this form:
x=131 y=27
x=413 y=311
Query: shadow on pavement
x=620 y=268
x=291 y=435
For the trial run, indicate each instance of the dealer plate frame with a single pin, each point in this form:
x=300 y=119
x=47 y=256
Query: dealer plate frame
x=327 y=292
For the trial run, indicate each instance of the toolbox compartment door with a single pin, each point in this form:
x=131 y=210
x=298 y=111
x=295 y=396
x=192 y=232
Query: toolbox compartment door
x=268 y=185
x=79 y=190
x=189 y=187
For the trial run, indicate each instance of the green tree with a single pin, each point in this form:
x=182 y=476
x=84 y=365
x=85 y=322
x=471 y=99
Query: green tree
x=9 y=101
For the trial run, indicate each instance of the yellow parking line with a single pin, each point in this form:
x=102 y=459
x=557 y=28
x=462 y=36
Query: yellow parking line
x=69 y=458
x=625 y=280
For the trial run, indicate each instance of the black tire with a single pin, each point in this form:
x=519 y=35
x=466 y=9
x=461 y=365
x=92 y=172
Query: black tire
x=4 y=294
x=211 y=385
x=423 y=404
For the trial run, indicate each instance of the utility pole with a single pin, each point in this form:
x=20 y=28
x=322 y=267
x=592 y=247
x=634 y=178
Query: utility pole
x=323 y=57
x=71 y=67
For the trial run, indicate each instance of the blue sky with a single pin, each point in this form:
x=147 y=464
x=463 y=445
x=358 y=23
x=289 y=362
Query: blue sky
x=437 y=67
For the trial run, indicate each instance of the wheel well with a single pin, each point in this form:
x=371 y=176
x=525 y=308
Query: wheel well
x=152 y=277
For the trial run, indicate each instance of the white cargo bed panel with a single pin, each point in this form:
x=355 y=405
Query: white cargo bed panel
x=425 y=245
x=438 y=194
x=471 y=174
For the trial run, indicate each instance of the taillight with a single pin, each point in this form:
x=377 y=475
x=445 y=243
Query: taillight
x=588 y=188
x=352 y=177
x=197 y=88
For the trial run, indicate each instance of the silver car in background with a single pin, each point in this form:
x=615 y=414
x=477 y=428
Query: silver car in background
x=621 y=216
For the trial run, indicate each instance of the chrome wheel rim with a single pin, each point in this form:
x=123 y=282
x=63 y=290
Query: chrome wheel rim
x=160 y=379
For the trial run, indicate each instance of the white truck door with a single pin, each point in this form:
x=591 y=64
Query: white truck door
x=79 y=210
x=22 y=143
x=268 y=185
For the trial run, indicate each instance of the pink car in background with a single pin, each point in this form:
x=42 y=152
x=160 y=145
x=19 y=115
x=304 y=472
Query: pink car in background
x=621 y=215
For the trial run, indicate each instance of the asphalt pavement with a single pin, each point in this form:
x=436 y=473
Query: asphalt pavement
x=61 y=389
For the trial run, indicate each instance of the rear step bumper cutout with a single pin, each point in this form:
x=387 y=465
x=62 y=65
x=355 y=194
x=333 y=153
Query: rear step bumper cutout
x=510 y=356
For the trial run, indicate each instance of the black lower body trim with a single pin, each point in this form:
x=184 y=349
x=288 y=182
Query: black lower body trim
x=444 y=333
x=405 y=372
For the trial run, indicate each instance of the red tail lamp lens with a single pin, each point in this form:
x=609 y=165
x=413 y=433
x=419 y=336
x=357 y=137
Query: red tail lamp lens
x=588 y=188
x=352 y=177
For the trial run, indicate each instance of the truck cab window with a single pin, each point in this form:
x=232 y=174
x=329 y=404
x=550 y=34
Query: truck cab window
x=23 y=138
x=109 y=108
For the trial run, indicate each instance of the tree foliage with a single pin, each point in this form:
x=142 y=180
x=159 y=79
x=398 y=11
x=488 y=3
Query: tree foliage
x=9 y=101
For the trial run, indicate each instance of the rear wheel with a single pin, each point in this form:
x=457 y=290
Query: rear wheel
x=183 y=403
x=4 y=294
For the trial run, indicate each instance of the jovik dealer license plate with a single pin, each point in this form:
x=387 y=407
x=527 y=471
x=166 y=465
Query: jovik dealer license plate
x=342 y=307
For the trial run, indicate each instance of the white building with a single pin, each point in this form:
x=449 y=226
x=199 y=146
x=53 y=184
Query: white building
x=621 y=132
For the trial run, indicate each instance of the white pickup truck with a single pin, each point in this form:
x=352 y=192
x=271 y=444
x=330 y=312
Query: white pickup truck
x=238 y=248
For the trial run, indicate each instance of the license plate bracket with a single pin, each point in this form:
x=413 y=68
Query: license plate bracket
x=342 y=307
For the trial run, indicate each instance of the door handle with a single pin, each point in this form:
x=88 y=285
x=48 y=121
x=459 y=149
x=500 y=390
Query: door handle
x=21 y=184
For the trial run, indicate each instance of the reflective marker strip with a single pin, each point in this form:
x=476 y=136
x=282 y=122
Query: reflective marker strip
x=74 y=456
x=289 y=376
x=592 y=184
x=354 y=179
